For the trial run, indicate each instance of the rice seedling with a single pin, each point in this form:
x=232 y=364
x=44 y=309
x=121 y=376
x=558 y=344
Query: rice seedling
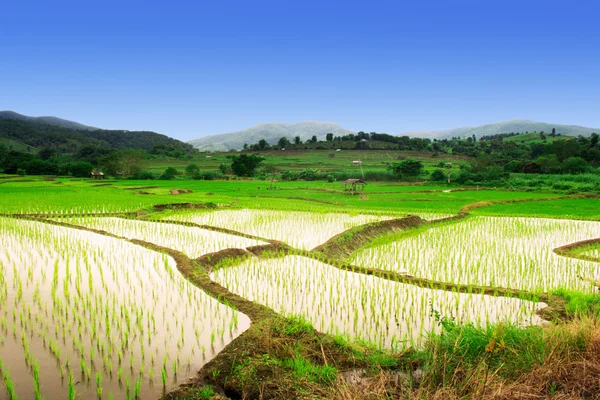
x=94 y=309
x=192 y=241
x=309 y=229
x=364 y=308
x=492 y=251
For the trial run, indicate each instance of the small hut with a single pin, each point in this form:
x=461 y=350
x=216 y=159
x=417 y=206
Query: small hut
x=97 y=175
x=354 y=185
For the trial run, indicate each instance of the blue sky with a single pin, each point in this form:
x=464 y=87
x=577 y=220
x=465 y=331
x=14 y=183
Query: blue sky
x=189 y=69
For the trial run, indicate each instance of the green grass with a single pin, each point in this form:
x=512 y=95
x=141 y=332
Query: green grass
x=580 y=303
x=304 y=369
x=15 y=145
x=568 y=208
x=534 y=137
x=372 y=160
x=78 y=195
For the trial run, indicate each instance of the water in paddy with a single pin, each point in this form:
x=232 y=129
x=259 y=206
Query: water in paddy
x=508 y=252
x=389 y=314
x=114 y=315
x=190 y=240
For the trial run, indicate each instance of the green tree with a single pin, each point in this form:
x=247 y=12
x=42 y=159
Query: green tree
x=245 y=164
x=81 y=169
x=438 y=175
x=297 y=140
x=549 y=164
x=262 y=144
x=406 y=168
x=594 y=139
x=575 y=165
x=123 y=162
x=169 y=174
x=283 y=142
x=192 y=170
x=329 y=137
x=314 y=139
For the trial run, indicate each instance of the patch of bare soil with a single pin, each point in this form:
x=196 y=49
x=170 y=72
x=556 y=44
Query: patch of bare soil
x=177 y=206
x=142 y=187
x=177 y=192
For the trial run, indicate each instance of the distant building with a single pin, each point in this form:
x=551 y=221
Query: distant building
x=97 y=175
x=356 y=162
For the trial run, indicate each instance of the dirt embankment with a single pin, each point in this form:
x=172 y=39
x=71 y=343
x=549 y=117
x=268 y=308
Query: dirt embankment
x=572 y=249
x=344 y=244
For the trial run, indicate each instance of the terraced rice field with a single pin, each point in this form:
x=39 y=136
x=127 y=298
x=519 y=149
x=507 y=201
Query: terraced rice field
x=86 y=316
x=302 y=230
x=365 y=308
x=492 y=251
x=191 y=241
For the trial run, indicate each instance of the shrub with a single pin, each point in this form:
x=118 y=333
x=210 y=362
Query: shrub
x=438 y=176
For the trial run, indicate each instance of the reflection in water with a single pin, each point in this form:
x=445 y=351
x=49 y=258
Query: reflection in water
x=190 y=240
x=389 y=314
x=492 y=251
x=116 y=317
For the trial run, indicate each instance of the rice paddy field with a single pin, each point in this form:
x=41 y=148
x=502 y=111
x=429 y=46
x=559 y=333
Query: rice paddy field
x=122 y=290
x=504 y=252
x=88 y=316
x=364 y=308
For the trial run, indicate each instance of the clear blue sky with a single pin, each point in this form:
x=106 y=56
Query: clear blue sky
x=188 y=69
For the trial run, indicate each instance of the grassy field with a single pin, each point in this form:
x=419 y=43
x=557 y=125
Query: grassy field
x=35 y=194
x=372 y=160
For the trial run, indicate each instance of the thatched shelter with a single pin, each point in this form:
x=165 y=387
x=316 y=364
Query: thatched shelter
x=354 y=185
x=97 y=175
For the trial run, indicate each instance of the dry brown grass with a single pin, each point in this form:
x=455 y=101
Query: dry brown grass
x=570 y=370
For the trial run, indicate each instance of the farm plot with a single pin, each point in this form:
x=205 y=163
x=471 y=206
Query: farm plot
x=302 y=230
x=492 y=251
x=192 y=241
x=390 y=314
x=86 y=316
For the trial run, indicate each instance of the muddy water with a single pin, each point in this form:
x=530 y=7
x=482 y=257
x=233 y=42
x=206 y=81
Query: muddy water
x=112 y=314
x=389 y=314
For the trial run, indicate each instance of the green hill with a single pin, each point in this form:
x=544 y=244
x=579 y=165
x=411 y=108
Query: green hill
x=67 y=140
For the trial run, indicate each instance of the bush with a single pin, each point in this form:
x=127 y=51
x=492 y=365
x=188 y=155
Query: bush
x=143 y=175
x=209 y=176
x=438 y=176
x=81 y=169
x=575 y=165
x=192 y=170
x=289 y=176
x=309 y=174
x=169 y=174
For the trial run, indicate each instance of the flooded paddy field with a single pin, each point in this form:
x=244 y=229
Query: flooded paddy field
x=388 y=314
x=504 y=252
x=88 y=316
x=192 y=241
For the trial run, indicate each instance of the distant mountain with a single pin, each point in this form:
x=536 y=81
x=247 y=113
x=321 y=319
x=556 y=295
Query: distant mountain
x=271 y=132
x=514 y=125
x=54 y=121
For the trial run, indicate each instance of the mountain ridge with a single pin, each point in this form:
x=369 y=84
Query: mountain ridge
x=513 y=125
x=48 y=120
x=271 y=132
